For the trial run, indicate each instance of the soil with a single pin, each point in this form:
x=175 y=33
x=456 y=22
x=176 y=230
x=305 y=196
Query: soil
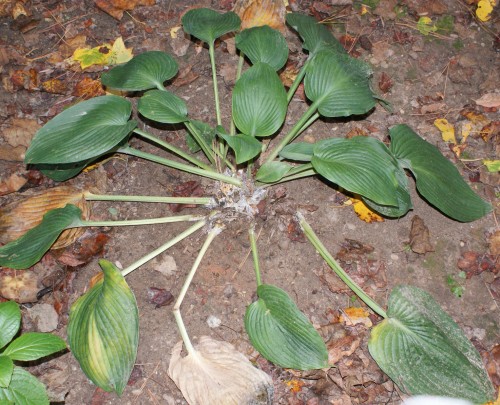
x=422 y=77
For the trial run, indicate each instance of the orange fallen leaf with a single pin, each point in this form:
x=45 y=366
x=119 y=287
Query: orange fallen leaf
x=54 y=86
x=88 y=88
x=364 y=212
x=255 y=13
x=354 y=315
x=294 y=385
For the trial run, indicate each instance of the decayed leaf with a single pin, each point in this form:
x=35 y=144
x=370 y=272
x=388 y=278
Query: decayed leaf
x=447 y=130
x=20 y=131
x=363 y=212
x=354 y=315
x=11 y=184
x=104 y=54
x=218 y=374
x=255 y=13
x=115 y=8
x=20 y=216
x=88 y=88
x=419 y=236
x=489 y=100
x=19 y=286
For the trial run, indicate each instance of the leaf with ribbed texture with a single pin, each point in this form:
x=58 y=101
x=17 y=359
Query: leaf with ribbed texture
x=34 y=345
x=206 y=132
x=163 y=106
x=301 y=151
x=425 y=352
x=29 y=248
x=245 y=147
x=84 y=131
x=63 y=172
x=144 y=71
x=208 y=25
x=10 y=321
x=263 y=44
x=316 y=36
x=361 y=165
x=24 y=389
x=6 y=370
x=259 y=101
x=283 y=334
x=103 y=330
x=437 y=179
x=272 y=172
x=339 y=85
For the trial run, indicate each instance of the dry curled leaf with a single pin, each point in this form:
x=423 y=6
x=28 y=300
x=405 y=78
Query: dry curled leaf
x=19 y=131
x=12 y=184
x=215 y=373
x=255 y=13
x=116 y=8
x=419 y=236
x=20 y=286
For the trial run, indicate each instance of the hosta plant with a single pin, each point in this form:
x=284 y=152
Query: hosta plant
x=103 y=325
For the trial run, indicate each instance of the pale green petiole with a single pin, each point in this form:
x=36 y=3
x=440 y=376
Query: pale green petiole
x=296 y=82
x=147 y=221
x=176 y=311
x=255 y=255
x=150 y=199
x=211 y=51
x=199 y=139
x=336 y=267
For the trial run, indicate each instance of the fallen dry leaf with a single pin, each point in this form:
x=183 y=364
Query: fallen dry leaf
x=364 y=212
x=494 y=243
x=355 y=315
x=160 y=297
x=385 y=83
x=116 y=8
x=20 y=131
x=340 y=348
x=185 y=76
x=20 y=286
x=447 y=130
x=12 y=184
x=54 y=86
x=215 y=373
x=489 y=100
x=474 y=263
x=88 y=88
x=104 y=54
x=255 y=13
x=88 y=246
x=190 y=188
x=419 y=236
x=12 y=154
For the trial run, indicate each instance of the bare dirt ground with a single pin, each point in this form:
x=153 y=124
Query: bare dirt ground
x=423 y=77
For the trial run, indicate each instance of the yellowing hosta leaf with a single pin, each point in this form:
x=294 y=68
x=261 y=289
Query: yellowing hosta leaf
x=119 y=53
x=104 y=54
x=103 y=330
x=216 y=373
x=365 y=213
x=447 y=130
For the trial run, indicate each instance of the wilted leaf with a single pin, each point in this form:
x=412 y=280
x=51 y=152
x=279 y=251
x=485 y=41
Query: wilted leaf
x=364 y=212
x=88 y=88
x=419 y=236
x=489 y=100
x=447 y=130
x=104 y=54
x=19 y=286
x=425 y=26
x=255 y=13
x=215 y=373
x=355 y=315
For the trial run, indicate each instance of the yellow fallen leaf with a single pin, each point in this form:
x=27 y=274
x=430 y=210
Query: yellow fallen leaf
x=173 y=31
x=354 y=315
x=447 y=130
x=466 y=130
x=484 y=9
x=425 y=26
x=492 y=165
x=104 y=54
x=363 y=212
x=119 y=53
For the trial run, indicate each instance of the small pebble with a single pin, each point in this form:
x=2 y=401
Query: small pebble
x=213 y=321
x=45 y=317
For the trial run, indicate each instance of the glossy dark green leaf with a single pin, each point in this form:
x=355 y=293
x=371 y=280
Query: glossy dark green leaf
x=245 y=147
x=6 y=370
x=29 y=248
x=283 y=334
x=437 y=179
x=84 y=131
x=361 y=165
x=272 y=172
x=263 y=44
x=259 y=101
x=163 y=106
x=24 y=389
x=103 y=330
x=425 y=352
x=206 y=132
x=316 y=36
x=34 y=345
x=144 y=71
x=208 y=25
x=338 y=84
x=63 y=172
x=301 y=151
x=10 y=321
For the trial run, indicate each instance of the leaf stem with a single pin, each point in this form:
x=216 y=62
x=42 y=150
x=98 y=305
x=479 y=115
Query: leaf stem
x=255 y=255
x=173 y=149
x=150 y=199
x=313 y=238
x=128 y=150
x=199 y=139
x=148 y=221
x=164 y=247
x=295 y=85
x=211 y=51
x=300 y=175
x=176 y=311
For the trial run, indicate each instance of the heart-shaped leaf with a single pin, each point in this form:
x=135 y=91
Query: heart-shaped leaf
x=10 y=321
x=316 y=36
x=144 y=71
x=103 y=330
x=361 y=165
x=425 y=352
x=34 y=345
x=263 y=44
x=339 y=85
x=283 y=334
x=208 y=25
x=29 y=248
x=6 y=370
x=84 y=131
x=259 y=101
x=205 y=131
x=163 y=106
x=24 y=389
x=245 y=147
x=272 y=172
x=301 y=151
x=437 y=179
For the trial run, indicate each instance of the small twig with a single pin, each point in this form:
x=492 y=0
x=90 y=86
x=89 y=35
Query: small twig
x=146 y=379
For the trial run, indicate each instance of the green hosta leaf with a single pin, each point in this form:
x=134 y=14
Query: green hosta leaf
x=34 y=345
x=24 y=389
x=245 y=147
x=272 y=172
x=208 y=25
x=6 y=370
x=437 y=179
x=424 y=351
x=259 y=101
x=301 y=151
x=10 y=321
x=361 y=165
x=29 y=248
x=283 y=334
x=205 y=130
x=316 y=36
x=339 y=85
x=63 y=172
x=103 y=331
x=145 y=71
x=263 y=44
x=84 y=131
x=163 y=106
